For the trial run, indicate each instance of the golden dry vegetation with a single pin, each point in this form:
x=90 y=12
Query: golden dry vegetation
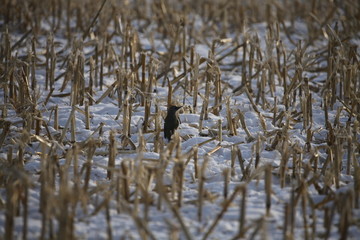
x=60 y=60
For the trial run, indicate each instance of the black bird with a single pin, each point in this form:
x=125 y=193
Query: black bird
x=172 y=122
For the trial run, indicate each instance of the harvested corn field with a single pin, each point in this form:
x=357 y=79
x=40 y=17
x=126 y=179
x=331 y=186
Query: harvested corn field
x=266 y=144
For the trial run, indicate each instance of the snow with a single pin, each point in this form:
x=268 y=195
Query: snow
x=93 y=225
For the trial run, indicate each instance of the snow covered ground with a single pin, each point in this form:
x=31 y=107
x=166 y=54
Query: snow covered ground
x=310 y=200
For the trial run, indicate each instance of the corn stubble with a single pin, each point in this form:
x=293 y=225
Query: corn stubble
x=136 y=73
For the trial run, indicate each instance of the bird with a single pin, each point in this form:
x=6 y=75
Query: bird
x=172 y=121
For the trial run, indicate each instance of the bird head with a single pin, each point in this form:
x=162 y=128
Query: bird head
x=173 y=109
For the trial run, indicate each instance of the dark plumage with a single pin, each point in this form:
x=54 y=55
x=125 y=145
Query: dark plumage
x=172 y=122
